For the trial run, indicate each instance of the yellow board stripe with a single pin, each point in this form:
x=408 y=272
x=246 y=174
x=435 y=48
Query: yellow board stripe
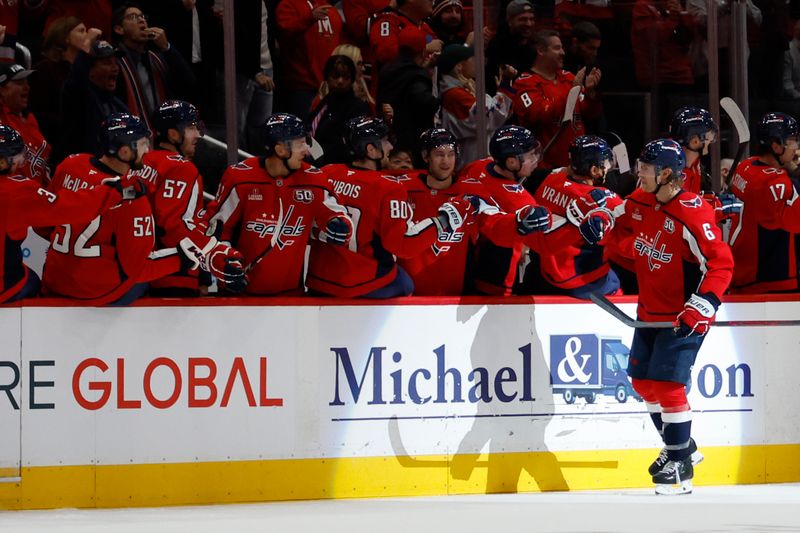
x=299 y=479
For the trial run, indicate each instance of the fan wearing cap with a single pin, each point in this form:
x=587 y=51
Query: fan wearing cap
x=14 y=92
x=87 y=99
x=111 y=259
x=406 y=85
x=268 y=207
x=506 y=48
x=457 y=90
x=447 y=20
x=24 y=204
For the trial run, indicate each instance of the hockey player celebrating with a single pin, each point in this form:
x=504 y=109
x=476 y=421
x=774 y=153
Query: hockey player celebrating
x=176 y=197
x=441 y=269
x=683 y=267
x=266 y=207
x=24 y=204
x=108 y=260
x=576 y=194
x=514 y=155
x=694 y=129
x=382 y=226
x=761 y=236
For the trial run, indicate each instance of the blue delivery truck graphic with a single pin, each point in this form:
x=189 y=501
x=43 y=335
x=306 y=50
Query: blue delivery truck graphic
x=585 y=365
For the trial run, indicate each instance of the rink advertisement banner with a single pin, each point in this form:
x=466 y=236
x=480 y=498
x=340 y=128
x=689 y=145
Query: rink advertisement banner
x=304 y=392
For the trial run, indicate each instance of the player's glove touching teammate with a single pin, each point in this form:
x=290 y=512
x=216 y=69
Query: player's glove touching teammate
x=532 y=218
x=697 y=316
x=225 y=264
x=338 y=230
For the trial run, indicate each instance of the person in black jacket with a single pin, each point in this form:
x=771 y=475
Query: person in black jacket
x=406 y=85
x=329 y=117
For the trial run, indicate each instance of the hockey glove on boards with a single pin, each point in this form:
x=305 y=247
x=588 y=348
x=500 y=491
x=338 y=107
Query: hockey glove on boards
x=697 y=316
x=338 y=230
x=225 y=264
x=532 y=218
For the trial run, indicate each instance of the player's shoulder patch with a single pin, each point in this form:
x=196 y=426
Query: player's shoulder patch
x=177 y=158
x=242 y=165
x=513 y=187
x=694 y=202
x=400 y=178
x=471 y=181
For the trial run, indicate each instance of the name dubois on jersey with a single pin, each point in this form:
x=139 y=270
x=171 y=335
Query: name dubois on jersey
x=342 y=188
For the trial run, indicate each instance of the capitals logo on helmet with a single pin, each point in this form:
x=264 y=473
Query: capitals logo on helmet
x=588 y=151
x=282 y=128
x=436 y=137
x=362 y=131
x=176 y=114
x=776 y=127
x=511 y=141
x=11 y=143
x=689 y=122
x=121 y=129
x=664 y=153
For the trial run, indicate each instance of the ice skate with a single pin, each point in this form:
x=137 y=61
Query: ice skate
x=661 y=460
x=675 y=477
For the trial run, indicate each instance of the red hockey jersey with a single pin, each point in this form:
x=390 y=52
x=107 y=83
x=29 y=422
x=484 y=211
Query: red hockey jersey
x=539 y=106
x=100 y=261
x=678 y=250
x=443 y=268
x=382 y=230
x=37 y=149
x=176 y=198
x=761 y=236
x=496 y=266
x=384 y=33
x=24 y=204
x=577 y=263
x=246 y=212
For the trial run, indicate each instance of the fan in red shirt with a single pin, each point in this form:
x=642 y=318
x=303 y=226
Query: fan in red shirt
x=267 y=207
x=14 y=92
x=444 y=269
x=309 y=31
x=578 y=268
x=108 y=260
x=540 y=96
x=24 y=204
x=176 y=197
x=383 y=230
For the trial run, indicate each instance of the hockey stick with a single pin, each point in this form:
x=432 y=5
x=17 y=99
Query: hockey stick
x=620 y=154
x=617 y=313
x=272 y=242
x=742 y=133
x=569 y=111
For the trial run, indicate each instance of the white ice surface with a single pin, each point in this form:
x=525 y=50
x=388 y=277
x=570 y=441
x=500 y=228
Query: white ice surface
x=748 y=508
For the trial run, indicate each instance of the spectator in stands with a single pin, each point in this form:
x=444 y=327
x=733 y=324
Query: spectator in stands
x=406 y=85
x=791 y=66
x=93 y=13
x=540 y=96
x=661 y=32
x=309 y=30
x=399 y=159
x=585 y=41
x=328 y=119
x=384 y=36
x=255 y=80
x=360 y=86
x=447 y=20
x=457 y=89
x=358 y=18
x=14 y=92
x=149 y=77
x=195 y=32
x=508 y=46
x=65 y=37
x=87 y=99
